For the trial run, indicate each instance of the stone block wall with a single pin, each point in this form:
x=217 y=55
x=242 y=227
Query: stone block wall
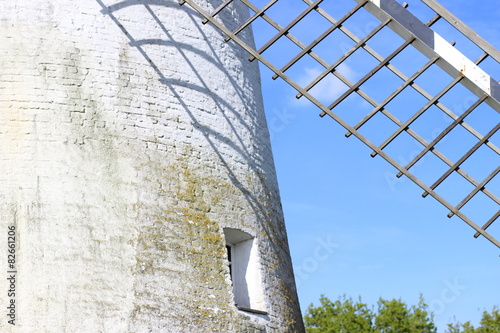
x=130 y=136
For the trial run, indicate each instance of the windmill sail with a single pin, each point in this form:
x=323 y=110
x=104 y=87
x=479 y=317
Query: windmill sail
x=468 y=139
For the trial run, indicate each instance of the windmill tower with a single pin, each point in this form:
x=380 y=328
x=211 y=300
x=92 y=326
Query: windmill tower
x=138 y=188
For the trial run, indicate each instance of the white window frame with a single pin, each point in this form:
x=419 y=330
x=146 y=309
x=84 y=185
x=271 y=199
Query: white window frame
x=244 y=268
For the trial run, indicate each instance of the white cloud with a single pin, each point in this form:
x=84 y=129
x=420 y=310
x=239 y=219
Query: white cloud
x=329 y=88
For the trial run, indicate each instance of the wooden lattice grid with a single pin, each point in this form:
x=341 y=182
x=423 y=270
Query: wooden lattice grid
x=444 y=64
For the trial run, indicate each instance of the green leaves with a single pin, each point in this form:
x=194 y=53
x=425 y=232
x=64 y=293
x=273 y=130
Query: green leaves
x=395 y=317
x=392 y=316
x=341 y=316
x=345 y=315
x=490 y=323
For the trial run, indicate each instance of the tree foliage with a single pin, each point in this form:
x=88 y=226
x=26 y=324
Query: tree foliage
x=345 y=315
x=396 y=317
x=341 y=316
x=392 y=316
x=490 y=323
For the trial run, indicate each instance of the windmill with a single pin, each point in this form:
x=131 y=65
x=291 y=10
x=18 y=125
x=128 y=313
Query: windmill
x=138 y=185
x=416 y=36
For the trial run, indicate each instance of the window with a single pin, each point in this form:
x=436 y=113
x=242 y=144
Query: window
x=244 y=271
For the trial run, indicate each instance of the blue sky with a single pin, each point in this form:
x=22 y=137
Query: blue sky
x=353 y=228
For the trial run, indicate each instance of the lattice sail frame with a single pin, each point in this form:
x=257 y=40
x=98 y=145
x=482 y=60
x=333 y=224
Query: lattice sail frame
x=417 y=34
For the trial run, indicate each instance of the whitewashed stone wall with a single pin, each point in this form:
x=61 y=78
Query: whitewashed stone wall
x=130 y=136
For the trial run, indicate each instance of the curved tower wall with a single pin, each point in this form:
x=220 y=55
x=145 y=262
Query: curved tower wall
x=132 y=143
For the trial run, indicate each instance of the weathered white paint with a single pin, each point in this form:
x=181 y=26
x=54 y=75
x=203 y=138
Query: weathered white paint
x=129 y=138
x=462 y=64
x=451 y=60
